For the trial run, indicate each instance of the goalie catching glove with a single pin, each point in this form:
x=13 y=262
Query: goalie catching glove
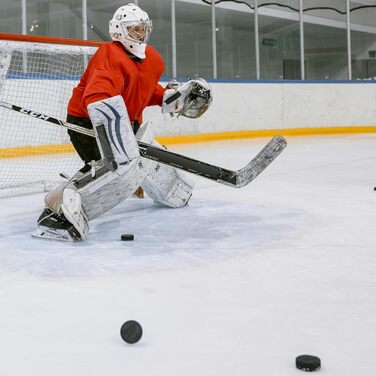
x=190 y=99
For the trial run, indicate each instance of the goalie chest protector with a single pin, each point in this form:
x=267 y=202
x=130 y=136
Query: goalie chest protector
x=111 y=71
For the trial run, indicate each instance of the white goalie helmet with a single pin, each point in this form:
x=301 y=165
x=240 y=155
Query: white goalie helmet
x=132 y=27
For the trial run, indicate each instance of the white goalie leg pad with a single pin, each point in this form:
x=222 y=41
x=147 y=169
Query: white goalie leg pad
x=168 y=186
x=108 y=190
x=54 y=198
x=116 y=141
x=115 y=177
x=72 y=209
x=122 y=171
x=164 y=184
x=86 y=197
x=65 y=201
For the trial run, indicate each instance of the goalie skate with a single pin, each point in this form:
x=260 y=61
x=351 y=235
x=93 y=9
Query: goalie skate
x=55 y=226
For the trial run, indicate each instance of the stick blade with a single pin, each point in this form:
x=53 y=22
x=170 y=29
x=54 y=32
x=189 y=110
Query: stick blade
x=259 y=163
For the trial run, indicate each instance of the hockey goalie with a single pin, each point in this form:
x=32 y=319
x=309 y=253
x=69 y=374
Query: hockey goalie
x=121 y=80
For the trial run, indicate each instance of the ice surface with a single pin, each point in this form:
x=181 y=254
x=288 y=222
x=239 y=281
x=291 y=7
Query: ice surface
x=238 y=283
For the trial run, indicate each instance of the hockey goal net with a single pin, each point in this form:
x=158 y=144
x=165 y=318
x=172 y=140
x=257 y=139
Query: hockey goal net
x=37 y=73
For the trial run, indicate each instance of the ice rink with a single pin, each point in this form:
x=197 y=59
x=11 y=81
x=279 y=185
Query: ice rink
x=238 y=283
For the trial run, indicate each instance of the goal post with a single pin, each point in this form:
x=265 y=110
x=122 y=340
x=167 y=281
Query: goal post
x=37 y=73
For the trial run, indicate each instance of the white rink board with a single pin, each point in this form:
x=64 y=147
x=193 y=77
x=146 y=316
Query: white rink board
x=236 y=107
x=252 y=106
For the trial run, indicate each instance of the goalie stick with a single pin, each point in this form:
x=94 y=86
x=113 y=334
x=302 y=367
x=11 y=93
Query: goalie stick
x=236 y=178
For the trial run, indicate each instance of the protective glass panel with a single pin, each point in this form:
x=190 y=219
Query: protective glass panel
x=363 y=13
x=99 y=15
x=235 y=43
x=160 y=38
x=363 y=48
x=325 y=52
x=363 y=40
x=193 y=40
x=325 y=12
x=56 y=19
x=325 y=40
x=10 y=16
x=279 y=46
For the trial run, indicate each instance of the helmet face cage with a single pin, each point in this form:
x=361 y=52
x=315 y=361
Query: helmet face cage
x=131 y=26
x=138 y=32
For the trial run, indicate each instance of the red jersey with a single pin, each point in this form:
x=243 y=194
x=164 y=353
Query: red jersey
x=111 y=71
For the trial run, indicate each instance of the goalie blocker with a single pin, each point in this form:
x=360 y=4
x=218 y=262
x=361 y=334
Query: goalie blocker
x=113 y=179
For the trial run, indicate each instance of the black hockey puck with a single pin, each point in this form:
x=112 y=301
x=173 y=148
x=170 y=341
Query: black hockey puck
x=127 y=237
x=131 y=331
x=308 y=363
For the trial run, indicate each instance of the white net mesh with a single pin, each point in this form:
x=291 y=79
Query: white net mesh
x=39 y=77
